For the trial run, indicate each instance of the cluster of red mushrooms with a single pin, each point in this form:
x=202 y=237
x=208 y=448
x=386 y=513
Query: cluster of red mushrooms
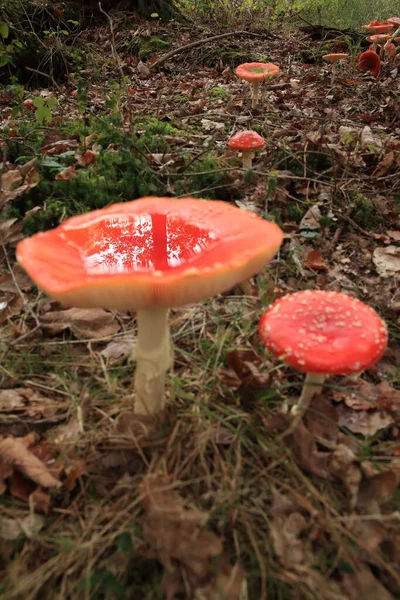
x=383 y=34
x=153 y=254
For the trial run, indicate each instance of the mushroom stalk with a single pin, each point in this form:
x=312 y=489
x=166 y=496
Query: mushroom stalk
x=153 y=357
x=392 y=38
x=255 y=89
x=247 y=159
x=312 y=386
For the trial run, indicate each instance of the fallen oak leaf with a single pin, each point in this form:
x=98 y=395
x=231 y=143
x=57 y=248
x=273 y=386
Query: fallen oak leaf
x=174 y=532
x=314 y=260
x=66 y=174
x=14 y=452
x=244 y=371
x=85 y=323
x=367 y=423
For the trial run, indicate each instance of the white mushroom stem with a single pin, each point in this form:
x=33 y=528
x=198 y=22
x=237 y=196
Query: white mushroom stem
x=255 y=89
x=312 y=386
x=247 y=159
x=374 y=46
x=153 y=357
x=334 y=71
x=392 y=38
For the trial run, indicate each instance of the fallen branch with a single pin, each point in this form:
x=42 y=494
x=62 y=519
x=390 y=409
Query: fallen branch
x=200 y=43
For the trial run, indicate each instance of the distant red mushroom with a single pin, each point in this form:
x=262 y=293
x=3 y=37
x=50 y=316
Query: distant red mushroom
x=254 y=73
x=389 y=51
x=370 y=61
x=376 y=39
x=147 y=256
x=246 y=142
x=379 y=26
x=320 y=333
x=29 y=105
x=334 y=59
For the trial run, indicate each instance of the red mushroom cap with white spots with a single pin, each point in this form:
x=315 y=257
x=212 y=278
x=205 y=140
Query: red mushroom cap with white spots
x=255 y=71
x=246 y=140
x=324 y=332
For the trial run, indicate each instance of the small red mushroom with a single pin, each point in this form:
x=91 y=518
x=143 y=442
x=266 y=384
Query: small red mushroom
x=320 y=333
x=334 y=59
x=147 y=256
x=370 y=61
x=389 y=51
x=29 y=105
x=246 y=142
x=377 y=39
x=255 y=73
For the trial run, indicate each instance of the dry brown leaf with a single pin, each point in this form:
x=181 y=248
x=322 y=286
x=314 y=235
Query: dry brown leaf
x=377 y=490
x=74 y=472
x=385 y=165
x=387 y=260
x=365 y=422
x=29 y=401
x=244 y=371
x=10 y=231
x=288 y=546
x=29 y=526
x=10 y=182
x=395 y=235
x=363 y=395
x=85 y=323
x=88 y=158
x=344 y=465
x=321 y=420
x=122 y=347
x=41 y=502
x=21 y=487
x=14 y=452
x=363 y=585
x=174 y=532
x=19 y=280
x=314 y=260
x=66 y=174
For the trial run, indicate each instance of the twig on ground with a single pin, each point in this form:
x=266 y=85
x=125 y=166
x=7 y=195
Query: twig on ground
x=200 y=43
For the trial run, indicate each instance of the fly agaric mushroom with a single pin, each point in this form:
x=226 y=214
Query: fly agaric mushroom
x=334 y=60
x=379 y=26
x=370 y=61
x=254 y=73
x=321 y=333
x=377 y=39
x=246 y=142
x=149 y=255
x=389 y=50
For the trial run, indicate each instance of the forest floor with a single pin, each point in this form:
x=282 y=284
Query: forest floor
x=209 y=501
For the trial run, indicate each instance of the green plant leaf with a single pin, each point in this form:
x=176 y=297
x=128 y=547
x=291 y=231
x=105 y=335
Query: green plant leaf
x=4 y=30
x=38 y=101
x=3 y=60
x=51 y=102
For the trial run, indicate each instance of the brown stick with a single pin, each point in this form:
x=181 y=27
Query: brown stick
x=200 y=43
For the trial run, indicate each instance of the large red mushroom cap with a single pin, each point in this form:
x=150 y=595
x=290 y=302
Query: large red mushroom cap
x=394 y=20
x=256 y=71
x=246 y=140
x=151 y=252
x=379 y=26
x=370 y=61
x=324 y=332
